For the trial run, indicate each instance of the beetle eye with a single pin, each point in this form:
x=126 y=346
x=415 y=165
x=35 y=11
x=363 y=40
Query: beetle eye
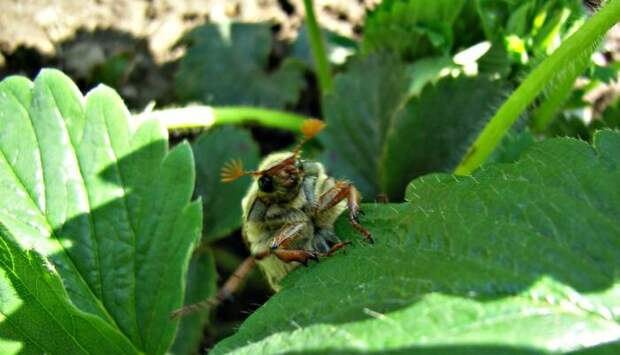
x=265 y=184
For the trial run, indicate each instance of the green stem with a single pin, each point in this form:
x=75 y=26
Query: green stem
x=561 y=63
x=544 y=114
x=318 y=49
x=206 y=117
x=262 y=116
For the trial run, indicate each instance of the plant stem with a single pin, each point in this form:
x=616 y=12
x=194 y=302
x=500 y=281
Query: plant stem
x=561 y=63
x=544 y=114
x=318 y=49
x=206 y=117
x=262 y=116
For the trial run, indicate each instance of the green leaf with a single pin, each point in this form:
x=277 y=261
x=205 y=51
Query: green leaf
x=610 y=118
x=535 y=19
x=495 y=62
x=567 y=125
x=519 y=20
x=222 y=209
x=431 y=132
x=49 y=321
x=358 y=111
x=516 y=258
x=338 y=47
x=493 y=15
x=427 y=70
x=411 y=28
x=511 y=147
x=200 y=286
x=606 y=75
x=565 y=63
x=105 y=202
x=229 y=65
x=379 y=135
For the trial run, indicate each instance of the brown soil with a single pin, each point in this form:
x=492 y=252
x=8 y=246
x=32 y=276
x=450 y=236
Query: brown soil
x=42 y=25
x=80 y=36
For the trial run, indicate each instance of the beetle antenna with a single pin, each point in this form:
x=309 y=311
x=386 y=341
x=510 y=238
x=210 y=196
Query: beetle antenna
x=310 y=128
x=233 y=170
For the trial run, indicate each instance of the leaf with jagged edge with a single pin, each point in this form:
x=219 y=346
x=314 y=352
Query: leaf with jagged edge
x=511 y=147
x=106 y=203
x=432 y=131
x=222 y=209
x=412 y=28
x=516 y=258
x=358 y=111
x=35 y=306
x=380 y=135
x=228 y=65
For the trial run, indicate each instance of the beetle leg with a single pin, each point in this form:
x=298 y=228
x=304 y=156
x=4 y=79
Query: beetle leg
x=288 y=233
x=301 y=256
x=282 y=240
x=333 y=196
x=336 y=247
x=230 y=287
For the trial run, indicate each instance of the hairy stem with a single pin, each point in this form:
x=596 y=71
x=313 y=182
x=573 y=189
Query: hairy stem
x=544 y=114
x=559 y=66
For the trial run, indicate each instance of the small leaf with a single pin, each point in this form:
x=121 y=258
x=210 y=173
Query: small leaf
x=495 y=62
x=412 y=28
x=515 y=258
x=431 y=132
x=512 y=147
x=338 y=47
x=379 y=136
x=228 y=65
x=494 y=15
x=106 y=203
x=358 y=111
x=610 y=118
x=222 y=200
x=426 y=71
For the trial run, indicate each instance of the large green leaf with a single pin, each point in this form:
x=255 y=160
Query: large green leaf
x=105 y=202
x=512 y=146
x=358 y=111
x=381 y=135
x=518 y=257
x=228 y=65
x=412 y=28
x=213 y=150
x=430 y=133
x=51 y=323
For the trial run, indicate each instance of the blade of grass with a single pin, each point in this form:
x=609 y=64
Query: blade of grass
x=562 y=65
x=318 y=49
